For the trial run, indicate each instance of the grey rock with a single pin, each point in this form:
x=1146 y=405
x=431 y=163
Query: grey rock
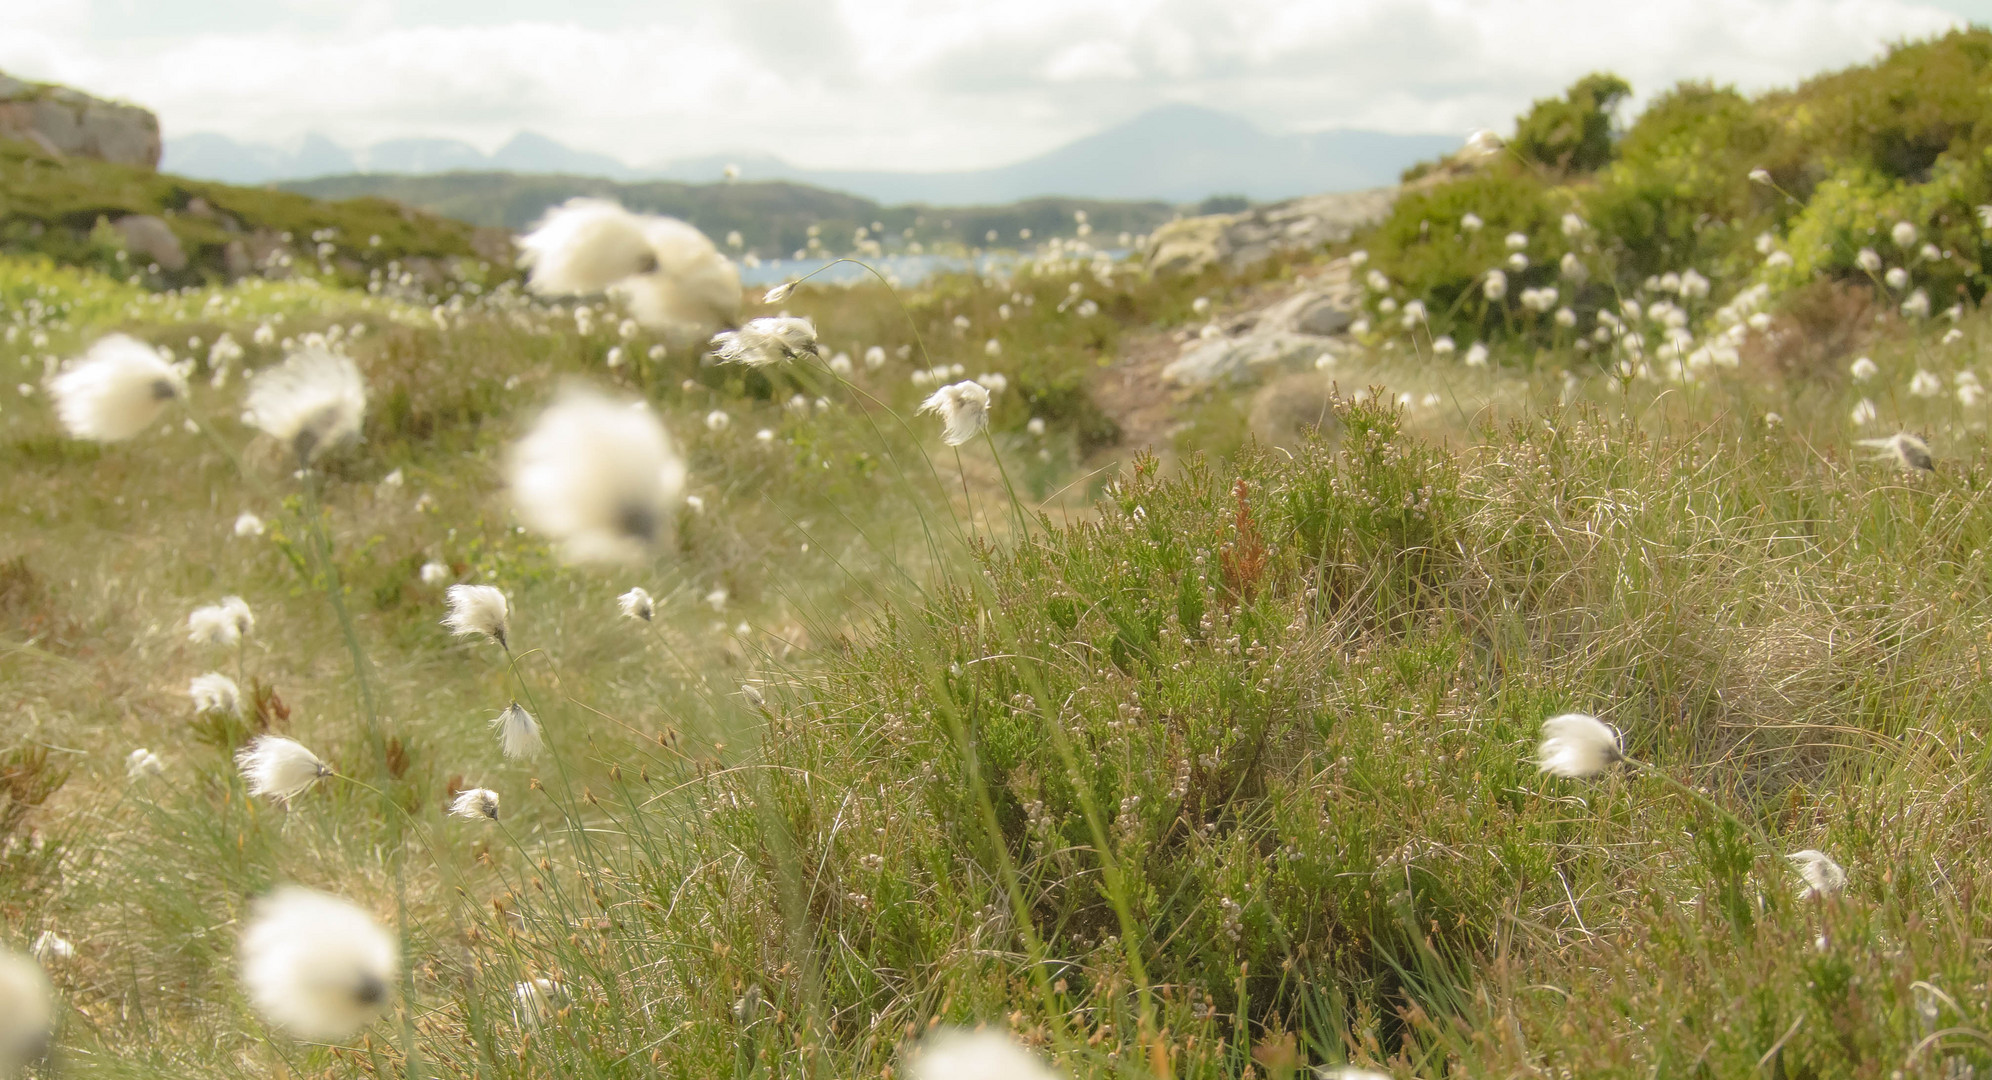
x=1188 y=245
x=70 y=123
x=151 y=239
x=1324 y=317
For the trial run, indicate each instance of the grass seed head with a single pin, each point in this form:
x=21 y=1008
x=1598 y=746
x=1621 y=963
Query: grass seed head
x=316 y=966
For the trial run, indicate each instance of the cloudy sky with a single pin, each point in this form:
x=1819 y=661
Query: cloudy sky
x=902 y=84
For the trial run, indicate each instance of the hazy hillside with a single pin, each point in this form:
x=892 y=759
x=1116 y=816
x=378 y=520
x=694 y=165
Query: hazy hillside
x=773 y=217
x=1176 y=153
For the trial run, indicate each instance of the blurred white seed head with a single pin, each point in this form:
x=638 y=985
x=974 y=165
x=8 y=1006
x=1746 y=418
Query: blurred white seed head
x=766 y=341
x=875 y=358
x=1906 y=451
x=434 y=573
x=248 y=524
x=1760 y=176
x=535 y=1001
x=317 y=966
x=955 y=1054
x=1823 y=877
x=475 y=804
x=518 y=733
x=1444 y=345
x=1516 y=241
x=278 y=767
x=636 y=604
x=224 y=624
x=116 y=390
x=1925 y=384
x=963 y=408
x=779 y=293
x=310 y=403
x=1917 y=306
x=215 y=693
x=1470 y=222
x=1476 y=355
x=1576 y=746
x=478 y=609
x=1864 y=413
x=1869 y=260
x=141 y=763
x=1495 y=287
x=1897 y=278
x=27 y=1013
x=1863 y=369
x=598 y=477
x=1904 y=234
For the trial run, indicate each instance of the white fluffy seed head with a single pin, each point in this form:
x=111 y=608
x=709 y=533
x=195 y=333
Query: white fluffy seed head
x=278 y=767
x=692 y=289
x=310 y=403
x=1823 y=876
x=535 y=1001
x=518 y=733
x=766 y=341
x=963 y=408
x=478 y=610
x=248 y=524
x=116 y=390
x=51 y=948
x=316 y=966
x=215 y=693
x=583 y=246
x=637 y=604
x=142 y=763
x=598 y=477
x=1576 y=746
x=1909 y=453
x=954 y=1054
x=224 y=624
x=27 y=1013
x=475 y=804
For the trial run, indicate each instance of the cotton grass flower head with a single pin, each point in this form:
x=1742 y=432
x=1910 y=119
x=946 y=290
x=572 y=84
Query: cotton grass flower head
x=1864 y=413
x=316 y=966
x=963 y=408
x=1869 y=260
x=116 y=390
x=1495 y=287
x=1925 y=384
x=1909 y=453
x=141 y=763
x=1823 y=877
x=478 y=610
x=476 y=804
x=248 y=525
x=956 y=1054
x=279 y=768
x=215 y=693
x=637 y=604
x=27 y=1013
x=311 y=402
x=766 y=341
x=692 y=287
x=434 y=573
x=224 y=624
x=1577 y=746
x=518 y=733
x=1476 y=355
x=1760 y=176
x=1863 y=369
x=583 y=246
x=1904 y=234
x=535 y=1001
x=1470 y=222
x=1917 y=306
x=1897 y=278
x=597 y=476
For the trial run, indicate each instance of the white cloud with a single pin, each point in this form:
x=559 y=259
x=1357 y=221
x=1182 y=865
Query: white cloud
x=910 y=84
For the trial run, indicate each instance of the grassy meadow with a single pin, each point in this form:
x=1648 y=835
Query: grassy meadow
x=1211 y=763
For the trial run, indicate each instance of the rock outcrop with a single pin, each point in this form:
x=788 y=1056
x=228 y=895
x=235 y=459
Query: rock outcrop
x=1239 y=240
x=1298 y=328
x=67 y=123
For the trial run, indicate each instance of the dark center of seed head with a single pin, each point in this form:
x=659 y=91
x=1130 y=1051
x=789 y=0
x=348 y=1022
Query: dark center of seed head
x=371 y=991
x=162 y=390
x=637 y=520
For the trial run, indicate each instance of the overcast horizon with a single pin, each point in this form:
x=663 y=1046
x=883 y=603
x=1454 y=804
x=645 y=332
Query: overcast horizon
x=896 y=84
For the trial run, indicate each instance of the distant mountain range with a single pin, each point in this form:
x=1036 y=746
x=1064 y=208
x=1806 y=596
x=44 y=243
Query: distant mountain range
x=1175 y=153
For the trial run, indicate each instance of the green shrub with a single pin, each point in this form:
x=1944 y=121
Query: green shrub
x=1573 y=133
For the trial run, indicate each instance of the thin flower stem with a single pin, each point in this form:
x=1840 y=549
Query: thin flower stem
x=335 y=594
x=1646 y=769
